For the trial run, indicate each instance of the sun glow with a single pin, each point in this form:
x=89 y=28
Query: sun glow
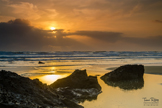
x=48 y=79
x=52 y=28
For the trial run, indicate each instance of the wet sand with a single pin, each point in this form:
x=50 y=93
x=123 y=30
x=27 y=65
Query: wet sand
x=114 y=97
x=153 y=70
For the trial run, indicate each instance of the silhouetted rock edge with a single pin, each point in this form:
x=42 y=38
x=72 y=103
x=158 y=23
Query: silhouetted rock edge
x=126 y=77
x=78 y=86
x=21 y=92
x=125 y=72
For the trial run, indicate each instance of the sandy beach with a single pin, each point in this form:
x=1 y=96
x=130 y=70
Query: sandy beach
x=153 y=70
x=111 y=96
x=157 y=70
x=114 y=97
x=80 y=53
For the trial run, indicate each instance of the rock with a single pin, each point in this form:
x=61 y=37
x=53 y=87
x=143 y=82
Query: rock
x=127 y=77
x=78 y=86
x=78 y=79
x=126 y=72
x=21 y=92
x=41 y=62
x=78 y=95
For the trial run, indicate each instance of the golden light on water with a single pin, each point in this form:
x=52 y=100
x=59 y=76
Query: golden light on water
x=53 y=69
x=48 y=79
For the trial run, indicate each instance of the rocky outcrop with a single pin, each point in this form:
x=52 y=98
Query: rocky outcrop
x=20 y=92
x=126 y=72
x=127 y=77
x=78 y=95
x=78 y=86
x=78 y=79
x=41 y=62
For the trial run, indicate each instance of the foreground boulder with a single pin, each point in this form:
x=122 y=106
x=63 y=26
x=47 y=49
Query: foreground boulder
x=78 y=86
x=20 y=92
x=126 y=77
x=78 y=79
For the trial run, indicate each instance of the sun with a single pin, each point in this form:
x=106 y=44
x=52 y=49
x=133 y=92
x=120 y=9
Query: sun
x=52 y=28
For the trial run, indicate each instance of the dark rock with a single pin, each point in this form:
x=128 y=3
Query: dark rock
x=78 y=79
x=78 y=95
x=127 y=77
x=78 y=86
x=21 y=92
x=126 y=72
x=41 y=62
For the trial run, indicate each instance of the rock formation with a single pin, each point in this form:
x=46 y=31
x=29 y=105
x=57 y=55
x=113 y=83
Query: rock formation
x=78 y=79
x=126 y=72
x=127 y=77
x=78 y=86
x=20 y=92
x=40 y=62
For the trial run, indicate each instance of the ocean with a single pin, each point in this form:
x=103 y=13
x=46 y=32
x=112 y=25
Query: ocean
x=99 y=62
x=55 y=65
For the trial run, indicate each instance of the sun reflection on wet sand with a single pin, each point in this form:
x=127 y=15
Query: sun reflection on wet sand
x=48 y=79
x=114 y=97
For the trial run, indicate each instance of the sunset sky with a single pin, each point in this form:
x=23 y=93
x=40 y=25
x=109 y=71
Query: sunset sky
x=81 y=25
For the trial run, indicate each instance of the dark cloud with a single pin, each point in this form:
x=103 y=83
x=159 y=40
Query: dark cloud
x=18 y=35
x=115 y=37
x=152 y=41
x=158 y=21
x=101 y=35
x=111 y=37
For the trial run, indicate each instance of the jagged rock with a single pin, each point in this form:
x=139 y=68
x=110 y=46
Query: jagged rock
x=21 y=92
x=78 y=95
x=78 y=79
x=127 y=77
x=126 y=72
x=78 y=86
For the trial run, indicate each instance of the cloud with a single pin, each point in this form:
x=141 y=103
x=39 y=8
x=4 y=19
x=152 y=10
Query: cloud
x=108 y=15
x=158 y=21
x=100 y=35
x=18 y=35
x=51 y=13
x=151 y=41
x=104 y=38
x=25 y=10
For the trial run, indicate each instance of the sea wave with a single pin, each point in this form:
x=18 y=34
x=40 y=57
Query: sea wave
x=76 y=55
